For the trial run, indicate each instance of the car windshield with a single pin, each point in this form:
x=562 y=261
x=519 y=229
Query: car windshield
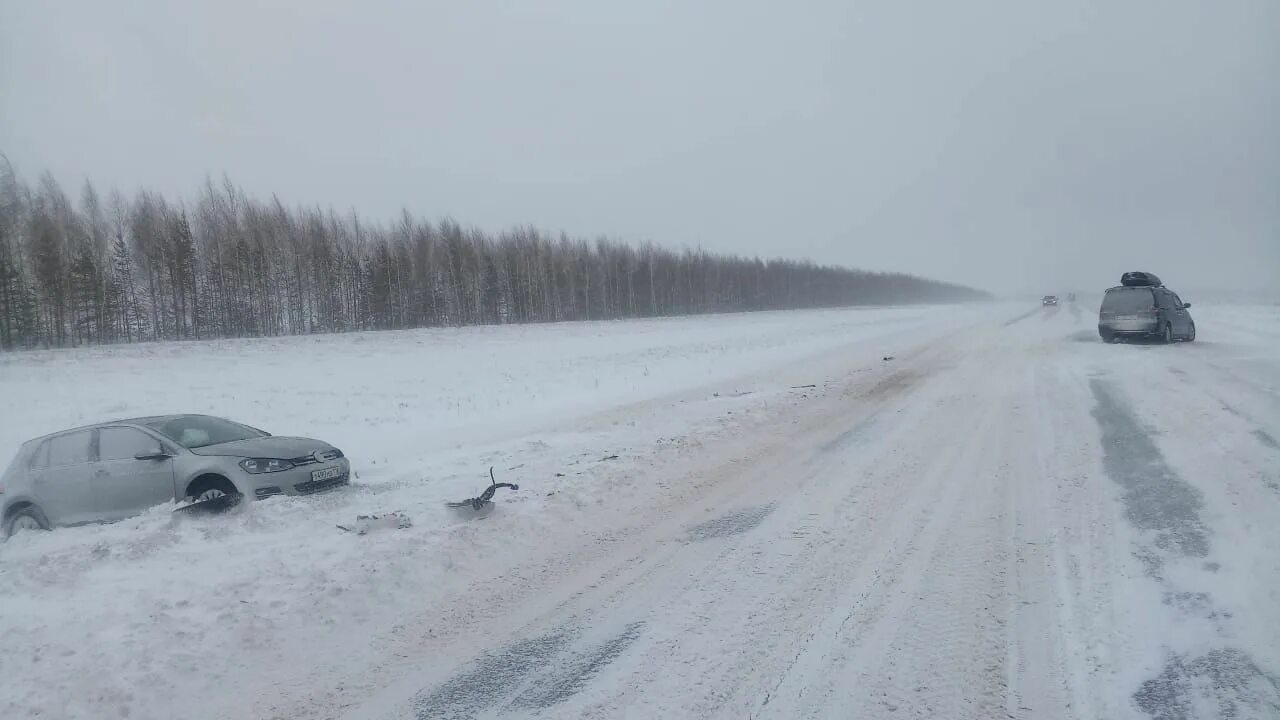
x=1127 y=300
x=196 y=431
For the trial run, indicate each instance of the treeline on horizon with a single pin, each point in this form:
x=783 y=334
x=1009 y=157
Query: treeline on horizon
x=127 y=269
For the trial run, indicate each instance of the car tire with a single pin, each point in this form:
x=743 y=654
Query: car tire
x=24 y=520
x=212 y=488
x=1108 y=338
x=1191 y=333
x=1167 y=338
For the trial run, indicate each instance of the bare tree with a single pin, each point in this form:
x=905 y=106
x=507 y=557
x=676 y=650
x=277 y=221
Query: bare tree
x=149 y=268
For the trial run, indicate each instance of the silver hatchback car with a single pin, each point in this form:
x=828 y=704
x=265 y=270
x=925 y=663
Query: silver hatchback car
x=113 y=470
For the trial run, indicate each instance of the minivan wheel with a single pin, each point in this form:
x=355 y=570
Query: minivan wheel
x=1191 y=333
x=1168 y=334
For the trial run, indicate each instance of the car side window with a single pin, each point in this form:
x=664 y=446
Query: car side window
x=1162 y=299
x=121 y=443
x=69 y=449
x=40 y=458
x=1173 y=297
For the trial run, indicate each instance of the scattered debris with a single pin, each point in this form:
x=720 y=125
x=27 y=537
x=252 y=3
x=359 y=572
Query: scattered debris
x=887 y=358
x=485 y=499
x=802 y=387
x=608 y=457
x=366 y=523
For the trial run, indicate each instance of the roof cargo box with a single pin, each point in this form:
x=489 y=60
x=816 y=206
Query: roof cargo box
x=1140 y=279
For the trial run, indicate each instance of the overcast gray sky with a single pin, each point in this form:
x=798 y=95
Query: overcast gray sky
x=1015 y=146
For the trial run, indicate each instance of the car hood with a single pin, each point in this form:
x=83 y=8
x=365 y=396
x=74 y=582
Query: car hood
x=283 y=448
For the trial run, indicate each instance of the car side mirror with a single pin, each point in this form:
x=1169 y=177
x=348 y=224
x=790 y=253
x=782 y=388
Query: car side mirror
x=156 y=453
x=1186 y=306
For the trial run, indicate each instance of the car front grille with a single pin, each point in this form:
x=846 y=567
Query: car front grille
x=314 y=486
x=320 y=456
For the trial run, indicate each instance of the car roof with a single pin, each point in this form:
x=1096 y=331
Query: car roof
x=145 y=420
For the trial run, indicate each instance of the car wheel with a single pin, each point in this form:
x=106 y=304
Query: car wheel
x=24 y=520
x=1191 y=333
x=1108 y=338
x=212 y=488
x=1168 y=334
x=210 y=494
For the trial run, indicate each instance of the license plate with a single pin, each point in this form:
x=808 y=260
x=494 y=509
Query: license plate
x=326 y=474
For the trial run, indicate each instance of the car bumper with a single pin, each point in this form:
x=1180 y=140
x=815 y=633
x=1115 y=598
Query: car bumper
x=302 y=480
x=1130 y=327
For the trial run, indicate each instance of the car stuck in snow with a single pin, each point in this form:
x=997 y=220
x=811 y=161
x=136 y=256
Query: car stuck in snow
x=110 y=471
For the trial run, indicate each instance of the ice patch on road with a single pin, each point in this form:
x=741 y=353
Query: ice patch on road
x=1221 y=684
x=1265 y=438
x=731 y=523
x=1155 y=497
x=483 y=685
x=571 y=677
x=544 y=665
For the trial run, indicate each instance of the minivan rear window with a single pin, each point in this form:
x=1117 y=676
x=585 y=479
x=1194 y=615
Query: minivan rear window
x=1128 y=300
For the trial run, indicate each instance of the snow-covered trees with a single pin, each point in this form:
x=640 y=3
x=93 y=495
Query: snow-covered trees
x=230 y=266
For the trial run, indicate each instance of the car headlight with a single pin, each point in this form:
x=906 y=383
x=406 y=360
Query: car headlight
x=255 y=466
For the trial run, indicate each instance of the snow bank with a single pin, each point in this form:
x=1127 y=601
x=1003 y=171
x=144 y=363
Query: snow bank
x=164 y=616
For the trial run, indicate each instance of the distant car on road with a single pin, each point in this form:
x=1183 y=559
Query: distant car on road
x=1142 y=307
x=1048 y=300
x=113 y=470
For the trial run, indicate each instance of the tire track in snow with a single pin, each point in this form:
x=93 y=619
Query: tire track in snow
x=1018 y=318
x=941 y=648
x=1223 y=682
x=799 y=553
x=635 y=581
x=540 y=673
x=1155 y=498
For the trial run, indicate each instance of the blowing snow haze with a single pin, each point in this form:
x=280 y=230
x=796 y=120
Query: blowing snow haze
x=1016 y=147
x=574 y=359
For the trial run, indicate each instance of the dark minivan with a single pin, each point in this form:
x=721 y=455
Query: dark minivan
x=1142 y=307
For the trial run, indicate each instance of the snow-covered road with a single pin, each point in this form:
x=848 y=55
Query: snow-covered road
x=1007 y=519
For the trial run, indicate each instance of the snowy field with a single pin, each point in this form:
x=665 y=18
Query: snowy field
x=745 y=515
